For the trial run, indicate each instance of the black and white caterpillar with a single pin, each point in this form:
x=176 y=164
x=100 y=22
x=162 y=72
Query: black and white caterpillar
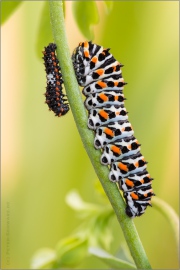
x=101 y=76
x=55 y=98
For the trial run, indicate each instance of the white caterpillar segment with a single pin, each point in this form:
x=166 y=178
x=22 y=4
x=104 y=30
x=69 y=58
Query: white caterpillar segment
x=120 y=148
x=111 y=133
x=126 y=166
x=99 y=117
x=135 y=181
x=109 y=84
x=104 y=99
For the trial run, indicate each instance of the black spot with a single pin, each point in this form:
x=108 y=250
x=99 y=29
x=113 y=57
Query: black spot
x=102 y=118
x=123 y=172
x=100 y=100
x=131 y=167
x=104 y=160
x=92 y=65
x=113 y=178
x=141 y=163
x=99 y=131
x=101 y=57
x=111 y=97
x=90 y=102
x=98 y=86
x=88 y=89
x=91 y=124
x=128 y=212
x=94 y=113
x=134 y=146
x=124 y=149
x=109 y=70
x=123 y=113
x=110 y=84
x=112 y=115
x=120 y=98
x=118 y=67
x=97 y=143
x=117 y=132
x=95 y=75
x=128 y=128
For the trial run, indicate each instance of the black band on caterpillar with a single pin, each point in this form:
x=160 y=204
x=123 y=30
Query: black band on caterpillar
x=101 y=76
x=55 y=98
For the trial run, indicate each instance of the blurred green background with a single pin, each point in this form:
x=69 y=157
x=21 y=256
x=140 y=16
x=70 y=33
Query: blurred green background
x=43 y=157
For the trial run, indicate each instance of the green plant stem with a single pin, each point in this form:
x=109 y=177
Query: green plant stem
x=87 y=136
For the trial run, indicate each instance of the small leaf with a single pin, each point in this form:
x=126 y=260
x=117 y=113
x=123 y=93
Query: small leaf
x=74 y=200
x=8 y=8
x=123 y=253
x=44 y=36
x=109 y=6
x=86 y=14
x=43 y=259
x=110 y=260
x=169 y=214
x=71 y=251
x=102 y=232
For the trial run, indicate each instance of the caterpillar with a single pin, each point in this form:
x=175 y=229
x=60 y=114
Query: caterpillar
x=100 y=75
x=55 y=98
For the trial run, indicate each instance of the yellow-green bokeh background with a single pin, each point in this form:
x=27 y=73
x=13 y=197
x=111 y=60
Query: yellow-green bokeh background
x=43 y=157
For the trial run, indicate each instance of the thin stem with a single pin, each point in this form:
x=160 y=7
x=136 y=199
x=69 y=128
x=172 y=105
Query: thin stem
x=87 y=136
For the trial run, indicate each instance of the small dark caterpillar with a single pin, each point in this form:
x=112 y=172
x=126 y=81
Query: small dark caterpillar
x=55 y=98
x=101 y=76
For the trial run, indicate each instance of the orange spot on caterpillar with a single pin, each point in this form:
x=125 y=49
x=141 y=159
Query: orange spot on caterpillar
x=86 y=44
x=116 y=149
x=129 y=182
x=134 y=196
x=122 y=167
x=103 y=97
x=100 y=72
x=102 y=84
x=136 y=164
x=129 y=146
x=116 y=98
x=86 y=53
x=103 y=114
x=109 y=132
x=94 y=59
x=116 y=83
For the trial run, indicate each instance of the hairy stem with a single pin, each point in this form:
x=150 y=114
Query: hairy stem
x=87 y=136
